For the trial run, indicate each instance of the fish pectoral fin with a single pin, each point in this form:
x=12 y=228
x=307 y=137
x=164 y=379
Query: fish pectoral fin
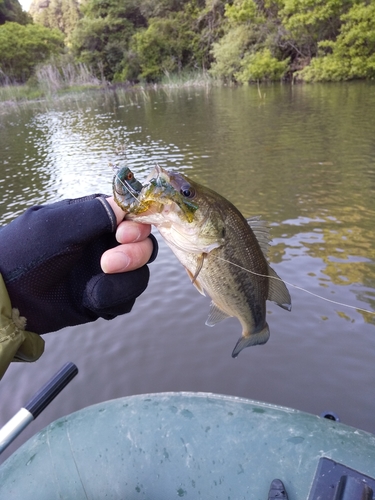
x=215 y=315
x=199 y=267
x=277 y=291
x=195 y=282
x=193 y=277
x=257 y=338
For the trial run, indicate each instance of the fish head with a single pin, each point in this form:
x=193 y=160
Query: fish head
x=179 y=208
x=168 y=191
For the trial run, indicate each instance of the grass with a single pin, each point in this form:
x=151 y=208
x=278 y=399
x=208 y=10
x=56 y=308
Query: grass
x=48 y=81
x=16 y=93
x=51 y=80
x=187 y=79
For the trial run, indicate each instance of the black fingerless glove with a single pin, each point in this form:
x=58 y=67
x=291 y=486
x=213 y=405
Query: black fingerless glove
x=50 y=262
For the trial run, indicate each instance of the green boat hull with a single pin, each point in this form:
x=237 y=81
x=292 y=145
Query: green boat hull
x=171 y=445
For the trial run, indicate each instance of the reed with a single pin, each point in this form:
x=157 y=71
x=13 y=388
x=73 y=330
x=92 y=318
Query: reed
x=187 y=79
x=59 y=78
x=16 y=93
x=52 y=78
x=49 y=79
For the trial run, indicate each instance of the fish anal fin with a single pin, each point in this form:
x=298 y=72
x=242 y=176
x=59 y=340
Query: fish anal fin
x=257 y=338
x=195 y=282
x=215 y=315
x=277 y=291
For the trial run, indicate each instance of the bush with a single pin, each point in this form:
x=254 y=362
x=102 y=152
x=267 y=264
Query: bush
x=166 y=46
x=228 y=53
x=352 y=54
x=261 y=66
x=23 y=47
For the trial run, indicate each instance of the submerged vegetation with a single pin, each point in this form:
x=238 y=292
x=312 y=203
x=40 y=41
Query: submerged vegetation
x=64 y=43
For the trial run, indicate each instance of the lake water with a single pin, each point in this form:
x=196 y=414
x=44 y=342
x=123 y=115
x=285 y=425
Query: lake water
x=302 y=157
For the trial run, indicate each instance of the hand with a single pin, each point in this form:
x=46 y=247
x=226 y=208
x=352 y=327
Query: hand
x=52 y=259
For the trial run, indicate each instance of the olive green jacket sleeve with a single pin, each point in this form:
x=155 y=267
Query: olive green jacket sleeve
x=16 y=344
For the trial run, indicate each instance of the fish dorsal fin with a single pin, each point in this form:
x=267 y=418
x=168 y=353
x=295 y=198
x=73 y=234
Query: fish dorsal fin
x=277 y=291
x=261 y=231
x=215 y=315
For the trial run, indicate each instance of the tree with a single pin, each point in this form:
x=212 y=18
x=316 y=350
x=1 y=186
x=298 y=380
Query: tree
x=249 y=50
x=352 y=54
x=60 y=14
x=168 y=45
x=101 y=38
x=228 y=53
x=11 y=10
x=23 y=47
x=307 y=22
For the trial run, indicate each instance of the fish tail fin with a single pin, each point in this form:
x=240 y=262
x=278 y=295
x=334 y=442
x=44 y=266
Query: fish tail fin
x=257 y=338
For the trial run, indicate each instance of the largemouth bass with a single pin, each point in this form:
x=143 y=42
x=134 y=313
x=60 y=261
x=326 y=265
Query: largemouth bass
x=223 y=253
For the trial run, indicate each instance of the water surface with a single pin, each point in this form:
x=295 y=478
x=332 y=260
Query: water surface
x=302 y=157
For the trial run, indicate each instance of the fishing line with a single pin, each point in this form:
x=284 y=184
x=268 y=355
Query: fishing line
x=131 y=190
x=298 y=288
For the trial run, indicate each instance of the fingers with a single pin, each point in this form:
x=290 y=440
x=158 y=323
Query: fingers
x=126 y=257
x=132 y=232
x=135 y=247
x=134 y=251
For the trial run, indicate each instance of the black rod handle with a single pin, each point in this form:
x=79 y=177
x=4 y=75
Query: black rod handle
x=51 y=389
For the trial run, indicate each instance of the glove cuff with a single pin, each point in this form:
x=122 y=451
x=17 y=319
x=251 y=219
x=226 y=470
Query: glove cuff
x=155 y=248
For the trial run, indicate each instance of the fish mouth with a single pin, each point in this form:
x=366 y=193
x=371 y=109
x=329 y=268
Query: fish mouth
x=162 y=193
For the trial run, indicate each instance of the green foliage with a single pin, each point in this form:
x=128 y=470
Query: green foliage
x=228 y=53
x=11 y=10
x=166 y=46
x=235 y=40
x=113 y=10
x=101 y=38
x=208 y=22
x=307 y=22
x=244 y=53
x=352 y=54
x=242 y=11
x=60 y=14
x=17 y=93
x=23 y=47
x=261 y=65
x=160 y=8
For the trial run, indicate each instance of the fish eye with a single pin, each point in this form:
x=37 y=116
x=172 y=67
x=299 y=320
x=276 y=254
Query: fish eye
x=130 y=176
x=187 y=191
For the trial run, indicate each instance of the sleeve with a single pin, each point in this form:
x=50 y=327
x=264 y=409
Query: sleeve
x=16 y=344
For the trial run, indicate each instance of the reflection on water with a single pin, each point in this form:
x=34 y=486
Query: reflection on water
x=301 y=157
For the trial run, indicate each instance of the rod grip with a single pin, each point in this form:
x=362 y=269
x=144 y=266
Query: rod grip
x=51 y=389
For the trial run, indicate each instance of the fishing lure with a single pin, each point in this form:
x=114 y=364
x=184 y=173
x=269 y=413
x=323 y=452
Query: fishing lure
x=126 y=188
